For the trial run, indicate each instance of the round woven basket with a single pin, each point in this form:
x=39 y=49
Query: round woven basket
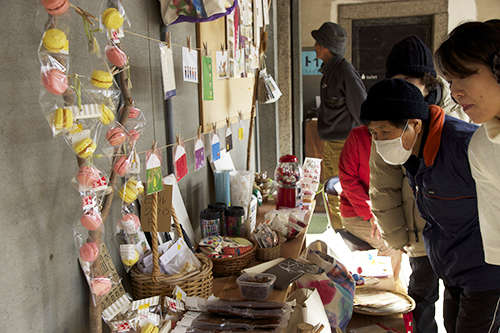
x=269 y=253
x=195 y=283
x=233 y=265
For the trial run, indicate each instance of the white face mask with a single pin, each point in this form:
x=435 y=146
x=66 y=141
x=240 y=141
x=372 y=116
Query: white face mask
x=392 y=151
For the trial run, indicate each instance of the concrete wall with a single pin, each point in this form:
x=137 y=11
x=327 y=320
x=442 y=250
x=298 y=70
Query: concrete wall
x=43 y=289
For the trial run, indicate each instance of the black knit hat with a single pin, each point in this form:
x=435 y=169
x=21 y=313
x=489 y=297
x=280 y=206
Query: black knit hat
x=410 y=57
x=332 y=36
x=394 y=99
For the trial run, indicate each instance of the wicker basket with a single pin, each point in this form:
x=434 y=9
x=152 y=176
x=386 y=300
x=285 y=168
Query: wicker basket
x=269 y=253
x=196 y=283
x=233 y=265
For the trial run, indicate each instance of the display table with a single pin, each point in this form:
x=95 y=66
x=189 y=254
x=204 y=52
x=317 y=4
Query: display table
x=226 y=287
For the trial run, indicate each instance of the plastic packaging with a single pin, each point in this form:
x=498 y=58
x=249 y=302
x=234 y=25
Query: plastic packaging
x=256 y=286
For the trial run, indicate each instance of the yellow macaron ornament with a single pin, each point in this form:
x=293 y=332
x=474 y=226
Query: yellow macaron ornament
x=131 y=262
x=131 y=190
x=149 y=328
x=107 y=116
x=101 y=79
x=112 y=18
x=54 y=40
x=63 y=119
x=84 y=148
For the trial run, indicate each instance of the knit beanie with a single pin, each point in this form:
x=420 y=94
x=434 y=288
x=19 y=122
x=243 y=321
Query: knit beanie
x=332 y=36
x=394 y=99
x=410 y=57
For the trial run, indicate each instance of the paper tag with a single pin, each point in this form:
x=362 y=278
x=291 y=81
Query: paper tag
x=148 y=260
x=174 y=304
x=215 y=147
x=135 y=166
x=229 y=139
x=128 y=226
x=153 y=174
x=127 y=251
x=167 y=256
x=179 y=294
x=87 y=111
x=88 y=202
x=240 y=130
x=101 y=184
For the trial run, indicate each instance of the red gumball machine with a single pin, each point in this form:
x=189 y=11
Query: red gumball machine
x=288 y=175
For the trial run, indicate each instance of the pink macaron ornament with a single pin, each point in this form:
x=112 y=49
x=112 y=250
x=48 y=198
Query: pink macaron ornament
x=89 y=252
x=122 y=165
x=91 y=219
x=133 y=135
x=116 y=56
x=87 y=175
x=55 y=7
x=116 y=136
x=55 y=81
x=134 y=112
x=101 y=285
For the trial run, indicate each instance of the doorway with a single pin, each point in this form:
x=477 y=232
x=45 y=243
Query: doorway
x=373 y=39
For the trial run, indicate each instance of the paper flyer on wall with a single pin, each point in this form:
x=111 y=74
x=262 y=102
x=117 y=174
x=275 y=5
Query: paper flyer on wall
x=167 y=71
x=190 y=65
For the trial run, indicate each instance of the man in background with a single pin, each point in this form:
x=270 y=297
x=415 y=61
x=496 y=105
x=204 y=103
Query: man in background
x=341 y=93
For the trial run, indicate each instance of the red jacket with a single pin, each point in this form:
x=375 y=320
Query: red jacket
x=354 y=174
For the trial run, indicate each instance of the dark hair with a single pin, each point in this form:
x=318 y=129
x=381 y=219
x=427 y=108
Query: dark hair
x=474 y=42
x=399 y=123
x=430 y=82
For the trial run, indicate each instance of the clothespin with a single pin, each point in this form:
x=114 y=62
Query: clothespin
x=205 y=47
x=240 y=115
x=228 y=122
x=222 y=48
x=167 y=39
x=214 y=126
x=198 y=131
x=84 y=14
x=178 y=139
x=189 y=42
x=153 y=147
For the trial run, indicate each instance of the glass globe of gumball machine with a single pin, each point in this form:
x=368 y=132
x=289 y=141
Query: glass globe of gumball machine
x=288 y=175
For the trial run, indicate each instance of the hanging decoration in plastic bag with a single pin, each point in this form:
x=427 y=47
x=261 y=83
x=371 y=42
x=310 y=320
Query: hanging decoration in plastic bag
x=176 y=11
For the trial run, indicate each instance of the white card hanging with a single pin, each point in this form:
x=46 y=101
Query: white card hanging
x=167 y=71
x=222 y=65
x=190 y=63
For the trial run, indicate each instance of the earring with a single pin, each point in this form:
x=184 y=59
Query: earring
x=496 y=66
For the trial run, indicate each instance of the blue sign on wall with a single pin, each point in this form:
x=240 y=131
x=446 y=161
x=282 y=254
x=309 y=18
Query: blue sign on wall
x=310 y=65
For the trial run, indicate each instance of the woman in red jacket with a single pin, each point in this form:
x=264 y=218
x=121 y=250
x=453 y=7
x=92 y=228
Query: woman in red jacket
x=355 y=205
